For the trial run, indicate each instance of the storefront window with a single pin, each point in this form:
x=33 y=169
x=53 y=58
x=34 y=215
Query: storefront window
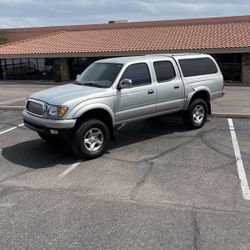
x=29 y=68
x=230 y=65
x=79 y=64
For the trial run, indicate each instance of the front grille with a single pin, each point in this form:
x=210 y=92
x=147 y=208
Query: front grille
x=35 y=108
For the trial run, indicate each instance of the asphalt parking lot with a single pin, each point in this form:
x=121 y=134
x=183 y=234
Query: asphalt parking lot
x=13 y=94
x=159 y=186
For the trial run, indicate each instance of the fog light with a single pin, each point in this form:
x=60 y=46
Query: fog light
x=54 y=132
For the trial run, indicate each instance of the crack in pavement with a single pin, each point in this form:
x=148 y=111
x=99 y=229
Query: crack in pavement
x=17 y=175
x=141 y=182
x=196 y=230
x=170 y=150
x=223 y=166
x=115 y=198
x=7 y=191
x=147 y=159
x=235 y=194
x=213 y=148
x=119 y=160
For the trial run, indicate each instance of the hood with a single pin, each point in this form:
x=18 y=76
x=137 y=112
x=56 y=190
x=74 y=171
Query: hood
x=66 y=93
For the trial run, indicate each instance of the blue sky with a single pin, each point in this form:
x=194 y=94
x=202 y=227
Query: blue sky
x=29 y=13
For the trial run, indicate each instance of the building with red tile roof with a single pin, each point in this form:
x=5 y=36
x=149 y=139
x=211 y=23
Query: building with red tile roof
x=67 y=50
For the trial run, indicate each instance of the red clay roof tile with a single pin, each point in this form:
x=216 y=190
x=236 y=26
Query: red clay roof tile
x=139 y=37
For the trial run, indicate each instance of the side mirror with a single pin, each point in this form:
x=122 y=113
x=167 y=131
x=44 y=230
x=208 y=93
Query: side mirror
x=125 y=84
x=77 y=76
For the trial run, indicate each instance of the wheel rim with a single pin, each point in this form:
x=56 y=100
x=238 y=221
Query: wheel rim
x=93 y=139
x=198 y=114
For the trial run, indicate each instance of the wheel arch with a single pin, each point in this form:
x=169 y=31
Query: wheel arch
x=201 y=94
x=98 y=113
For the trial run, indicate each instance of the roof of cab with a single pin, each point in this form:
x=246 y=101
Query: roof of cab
x=144 y=58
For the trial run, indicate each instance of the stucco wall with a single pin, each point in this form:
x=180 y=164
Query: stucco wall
x=64 y=69
x=245 y=69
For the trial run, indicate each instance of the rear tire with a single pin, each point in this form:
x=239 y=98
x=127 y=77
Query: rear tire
x=91 y=139
x=196 y=114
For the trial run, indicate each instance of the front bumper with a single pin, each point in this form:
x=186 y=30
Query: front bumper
x=44 y=125
x=48 y=123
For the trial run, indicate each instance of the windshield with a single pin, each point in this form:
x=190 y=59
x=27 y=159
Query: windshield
x=101 y=75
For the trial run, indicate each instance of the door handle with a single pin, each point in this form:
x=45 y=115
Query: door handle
x=176 y=86
x=151 y=91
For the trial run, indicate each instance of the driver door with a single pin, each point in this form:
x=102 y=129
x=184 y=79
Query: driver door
x=139 y=100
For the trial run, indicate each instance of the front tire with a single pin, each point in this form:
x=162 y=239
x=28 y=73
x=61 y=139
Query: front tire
x=196 y=115
x=91 y=139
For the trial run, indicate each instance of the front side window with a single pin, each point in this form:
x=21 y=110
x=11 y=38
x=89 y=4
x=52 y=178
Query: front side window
x=100 y=75
x=164 y=71
x=138 y=73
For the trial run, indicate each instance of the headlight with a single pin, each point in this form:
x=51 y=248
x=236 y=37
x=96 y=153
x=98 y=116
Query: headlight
x=55 y=111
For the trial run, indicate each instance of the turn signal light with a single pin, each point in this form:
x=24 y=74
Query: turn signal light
x=62 y=111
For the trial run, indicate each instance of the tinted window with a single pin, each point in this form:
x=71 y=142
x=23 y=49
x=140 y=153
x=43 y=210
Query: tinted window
x=138 y=73
x=197 y=66
x=164 y=71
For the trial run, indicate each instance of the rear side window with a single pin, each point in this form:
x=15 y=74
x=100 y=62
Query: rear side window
x=164 y=71
x=197 y=66
x=138 y=73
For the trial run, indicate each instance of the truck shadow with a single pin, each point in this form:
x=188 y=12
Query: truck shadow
x=135 y=132
x=39 y=154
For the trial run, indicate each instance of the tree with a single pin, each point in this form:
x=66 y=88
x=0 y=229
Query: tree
x=3 y=39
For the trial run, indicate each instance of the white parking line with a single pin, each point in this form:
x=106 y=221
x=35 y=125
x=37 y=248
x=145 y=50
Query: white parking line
x=241 y=171
x=14 y=100
x=10 y=129
x=69 y=169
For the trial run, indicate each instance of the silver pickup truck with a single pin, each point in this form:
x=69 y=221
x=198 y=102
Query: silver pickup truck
x=118 y=90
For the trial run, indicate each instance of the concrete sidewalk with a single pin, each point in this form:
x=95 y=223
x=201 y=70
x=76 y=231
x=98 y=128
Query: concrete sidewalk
x=235 y=102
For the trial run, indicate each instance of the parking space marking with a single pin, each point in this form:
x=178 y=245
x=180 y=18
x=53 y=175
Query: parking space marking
x=14 y=100
x=10 y=129
x=239 y=162
x=69 y=169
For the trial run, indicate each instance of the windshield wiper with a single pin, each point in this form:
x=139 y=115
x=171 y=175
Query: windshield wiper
x=92 y=84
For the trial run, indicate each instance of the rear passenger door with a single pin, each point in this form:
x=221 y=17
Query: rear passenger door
x=138 y=101
x=169 y=86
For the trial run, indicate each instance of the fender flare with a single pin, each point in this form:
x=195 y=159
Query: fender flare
x=194 y=92
x=82 y=110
